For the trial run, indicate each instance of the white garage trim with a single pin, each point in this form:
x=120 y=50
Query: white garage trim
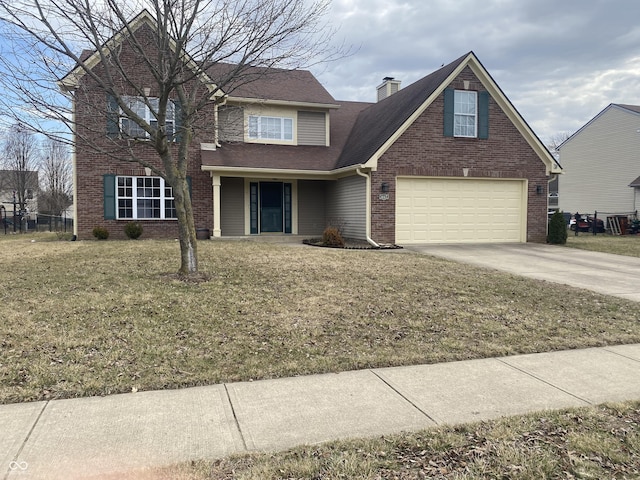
x=460 y=210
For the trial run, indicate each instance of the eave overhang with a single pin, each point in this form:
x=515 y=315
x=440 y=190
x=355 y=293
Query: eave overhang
x=281 y=103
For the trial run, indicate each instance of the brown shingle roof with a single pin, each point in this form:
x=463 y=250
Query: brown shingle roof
x=380 y=121
x=270 y=84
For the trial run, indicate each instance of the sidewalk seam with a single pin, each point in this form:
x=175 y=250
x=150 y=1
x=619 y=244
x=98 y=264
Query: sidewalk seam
x=235 y=418
x=405 y=398
x=621 y=355
x=502 y=360
x=26 y=439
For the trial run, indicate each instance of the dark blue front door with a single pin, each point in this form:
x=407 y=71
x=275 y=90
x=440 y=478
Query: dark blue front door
x=271 y=207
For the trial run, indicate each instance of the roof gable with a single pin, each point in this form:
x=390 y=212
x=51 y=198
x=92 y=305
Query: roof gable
x=89 y=59
x=631 y=109
x=378 y=127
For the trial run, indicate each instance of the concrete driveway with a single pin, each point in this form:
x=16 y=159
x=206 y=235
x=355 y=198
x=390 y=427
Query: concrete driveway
x=606 y=273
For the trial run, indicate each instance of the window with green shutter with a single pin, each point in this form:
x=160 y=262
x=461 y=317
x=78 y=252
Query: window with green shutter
x=466 y=113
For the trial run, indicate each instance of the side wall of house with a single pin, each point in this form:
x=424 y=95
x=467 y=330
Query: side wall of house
x=232 y=206
x=599 y=163
x=423 y=150
x=346 y=206
x=311 y=207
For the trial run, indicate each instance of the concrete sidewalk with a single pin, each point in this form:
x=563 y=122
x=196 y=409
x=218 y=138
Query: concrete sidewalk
x=121 y=435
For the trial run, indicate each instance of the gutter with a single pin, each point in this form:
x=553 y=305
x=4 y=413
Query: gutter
x=368 y=219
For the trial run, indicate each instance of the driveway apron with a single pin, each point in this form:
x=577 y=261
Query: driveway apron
x=605 y=273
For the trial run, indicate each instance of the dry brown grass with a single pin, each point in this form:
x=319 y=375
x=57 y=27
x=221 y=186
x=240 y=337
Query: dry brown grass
x=95 y=318
x=628 y=245
x=587 y=443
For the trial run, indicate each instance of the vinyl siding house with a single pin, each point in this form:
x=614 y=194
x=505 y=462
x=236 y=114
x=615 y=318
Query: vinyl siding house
x=601 y=163
x=446 y=159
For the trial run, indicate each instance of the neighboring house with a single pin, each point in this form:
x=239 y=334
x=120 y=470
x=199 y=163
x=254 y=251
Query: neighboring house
x=25 y=185
x=601 y=162
x=446 y=159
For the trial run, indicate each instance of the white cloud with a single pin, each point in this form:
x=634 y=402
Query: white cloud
x=559 y=62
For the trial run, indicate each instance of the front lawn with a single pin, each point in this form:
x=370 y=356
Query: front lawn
x=103 y=317
x=628 y=245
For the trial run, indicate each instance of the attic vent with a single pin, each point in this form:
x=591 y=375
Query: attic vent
x=388 y=87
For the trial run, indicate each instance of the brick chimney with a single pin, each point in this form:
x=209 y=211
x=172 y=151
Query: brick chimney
x=388 y=87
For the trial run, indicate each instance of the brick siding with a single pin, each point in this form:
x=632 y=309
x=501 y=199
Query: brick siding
x=423 y=150
x=97 y=155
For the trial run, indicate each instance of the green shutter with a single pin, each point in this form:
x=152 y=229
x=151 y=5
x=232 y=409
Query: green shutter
x=448 y=112
x=113 y=117
x=483 y=115
x=109 y=183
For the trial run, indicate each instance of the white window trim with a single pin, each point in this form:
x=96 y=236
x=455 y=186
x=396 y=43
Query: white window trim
x=134 y=199
x=260 y=133
x=148 y=117
x=466 y=115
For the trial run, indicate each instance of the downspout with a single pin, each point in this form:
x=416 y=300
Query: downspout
x=368 y=219
x=74 y=163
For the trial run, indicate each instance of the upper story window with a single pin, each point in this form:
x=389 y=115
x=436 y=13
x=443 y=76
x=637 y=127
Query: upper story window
x=465 y=114
x=144 y=198
x=131 y=129
x=270 y=128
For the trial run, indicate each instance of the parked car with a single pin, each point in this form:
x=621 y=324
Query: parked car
x=585 y=224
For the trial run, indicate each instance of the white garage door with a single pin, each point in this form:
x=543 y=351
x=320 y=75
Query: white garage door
x=435 y=210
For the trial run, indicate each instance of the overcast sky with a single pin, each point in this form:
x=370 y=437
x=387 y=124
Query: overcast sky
x=560 y=62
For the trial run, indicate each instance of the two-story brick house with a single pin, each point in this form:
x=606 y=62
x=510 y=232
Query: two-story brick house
x=446 y=159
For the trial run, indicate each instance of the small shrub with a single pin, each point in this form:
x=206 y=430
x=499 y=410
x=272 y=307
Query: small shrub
x=331 y=237
x=100 y=233
x=557 y=229
x=133 y=230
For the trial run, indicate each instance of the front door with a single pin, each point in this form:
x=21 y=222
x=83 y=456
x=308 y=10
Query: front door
x=270 y=206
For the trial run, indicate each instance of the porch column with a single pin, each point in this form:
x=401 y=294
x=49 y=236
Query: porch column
x=215 y=181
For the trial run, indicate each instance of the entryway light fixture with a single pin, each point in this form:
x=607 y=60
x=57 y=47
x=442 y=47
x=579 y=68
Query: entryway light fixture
x=539 y=189
x=384 y=188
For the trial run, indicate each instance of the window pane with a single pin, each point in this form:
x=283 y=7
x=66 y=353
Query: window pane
x=148 y=208
x=465 y=113
x=288 y=129
x=125 y=208
x=253 y=127
x=170 y=209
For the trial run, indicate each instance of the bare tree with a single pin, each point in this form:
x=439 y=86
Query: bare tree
x=555 y=141
x=21 y=158
x=56 y=180
x=187 y=59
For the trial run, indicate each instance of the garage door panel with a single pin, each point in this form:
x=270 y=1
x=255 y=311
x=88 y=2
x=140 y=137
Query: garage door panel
x=431 y=210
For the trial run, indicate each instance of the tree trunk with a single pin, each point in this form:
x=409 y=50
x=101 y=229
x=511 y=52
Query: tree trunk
x=186 y=229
